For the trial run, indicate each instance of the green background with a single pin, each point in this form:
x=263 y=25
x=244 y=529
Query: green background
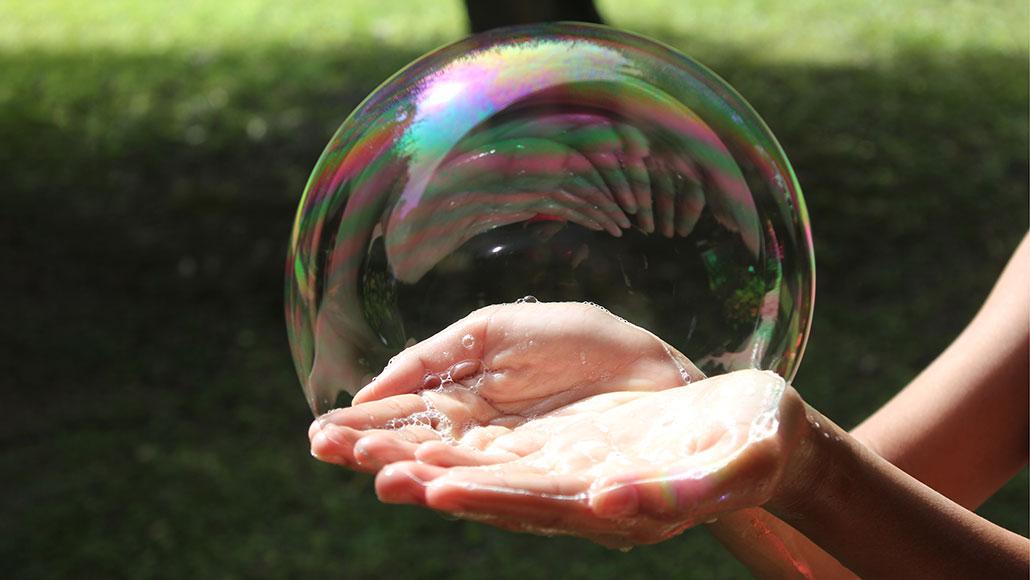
x=151 y=158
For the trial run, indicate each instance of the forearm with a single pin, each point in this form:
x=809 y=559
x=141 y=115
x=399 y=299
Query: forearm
x=772 y=549
x=881 y=522
x=961 y=425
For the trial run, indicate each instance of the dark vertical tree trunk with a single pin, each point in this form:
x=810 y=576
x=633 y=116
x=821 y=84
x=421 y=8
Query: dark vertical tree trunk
x=486 y=14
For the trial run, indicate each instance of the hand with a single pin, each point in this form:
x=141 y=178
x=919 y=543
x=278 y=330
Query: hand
x=620 y=467
x=582 y=168
x=505 y=363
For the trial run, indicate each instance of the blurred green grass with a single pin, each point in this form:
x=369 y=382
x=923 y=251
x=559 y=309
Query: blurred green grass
x=152 y=157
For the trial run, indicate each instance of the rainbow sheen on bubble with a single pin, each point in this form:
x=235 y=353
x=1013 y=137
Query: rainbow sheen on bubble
x=567 y=162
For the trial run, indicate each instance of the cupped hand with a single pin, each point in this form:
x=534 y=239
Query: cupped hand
x=500 y=366
x=532 y=357
x=536 y=440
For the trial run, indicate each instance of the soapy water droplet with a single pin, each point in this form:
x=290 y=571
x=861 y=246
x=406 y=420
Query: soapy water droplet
x=431 y=381
x=527 y=300
x=468 y=341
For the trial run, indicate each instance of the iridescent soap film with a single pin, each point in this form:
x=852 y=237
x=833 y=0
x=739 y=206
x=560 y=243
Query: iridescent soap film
x=566 y=162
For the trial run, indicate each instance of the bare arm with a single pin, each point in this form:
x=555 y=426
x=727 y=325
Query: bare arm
x=881 y=522
x=960 y=427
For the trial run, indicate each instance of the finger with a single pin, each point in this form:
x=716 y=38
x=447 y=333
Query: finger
x=557 y=168
x=596 y=198
x=690 y=201
x=661 y=188
x=688 y=191
x=508 y=491
x=481 y=437
x=636 y=149
x=422 y=237
x=381 y=414
x=335 y=444
x=534 y=196
x=597 y=140
x=641 y=182
x=445 y=455
x=578 y=197
x=405 y=482
x=729 y=197
x=566 y=205
x=689 y=494
x=610 y=168
x=410 y=370
x=656 y=494
x=373 y=452
x=524 y=507
x=594 y=138
x=581 y=162
x=462 y=406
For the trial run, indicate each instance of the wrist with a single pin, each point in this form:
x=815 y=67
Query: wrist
x=813 y=465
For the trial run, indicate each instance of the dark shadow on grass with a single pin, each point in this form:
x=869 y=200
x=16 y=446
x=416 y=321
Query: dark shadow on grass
x=159 y=430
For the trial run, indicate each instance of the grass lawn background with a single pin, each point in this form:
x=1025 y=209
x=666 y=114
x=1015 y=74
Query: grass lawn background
x=151 y=158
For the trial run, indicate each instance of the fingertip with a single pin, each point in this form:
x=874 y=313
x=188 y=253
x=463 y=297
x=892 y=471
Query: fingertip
x=435 y=453
x=392 y=486
x=403 y=375
x=683 y=230
x=667 y=230
x=445 y=497
x=325 y=449
x=364 y=395
x=618 y=501
x=620 y=218
x=645 y=220
x=405 y=482
x=375 y=451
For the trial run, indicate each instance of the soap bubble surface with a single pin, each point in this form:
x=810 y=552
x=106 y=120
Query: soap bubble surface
x=565 y=162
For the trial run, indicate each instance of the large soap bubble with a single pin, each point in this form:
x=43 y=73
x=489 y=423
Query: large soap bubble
x=567 y=162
